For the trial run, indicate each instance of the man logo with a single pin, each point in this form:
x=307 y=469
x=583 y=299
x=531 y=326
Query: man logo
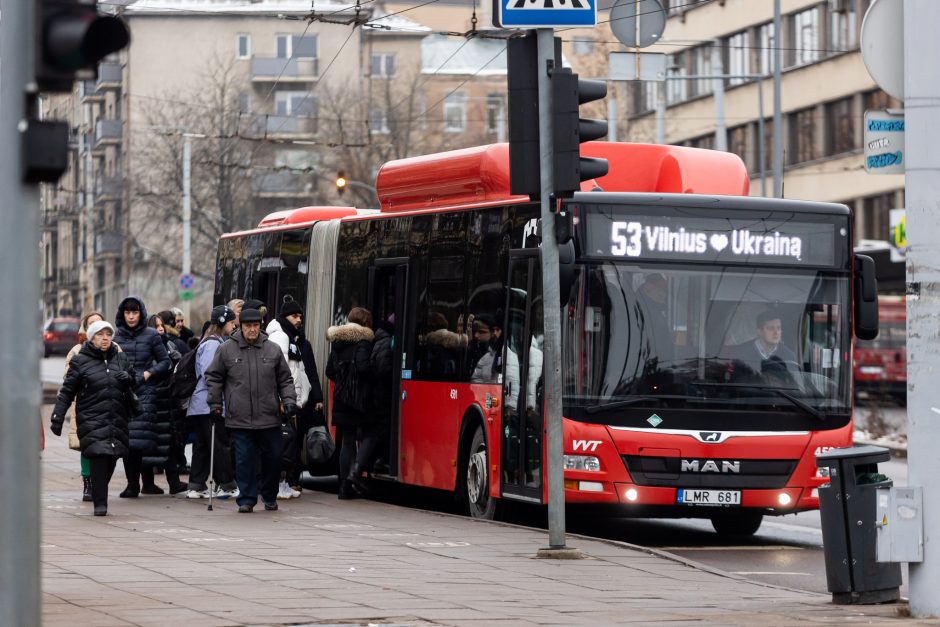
x=710 y=465
x=710 y=436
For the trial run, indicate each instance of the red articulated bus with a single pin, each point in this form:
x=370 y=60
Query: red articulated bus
x=670 y=408
x=881 y=364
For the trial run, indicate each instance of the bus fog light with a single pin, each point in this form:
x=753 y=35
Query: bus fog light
x=582 y=462
x=815 y=493
x=631 y=494
x=784 y=499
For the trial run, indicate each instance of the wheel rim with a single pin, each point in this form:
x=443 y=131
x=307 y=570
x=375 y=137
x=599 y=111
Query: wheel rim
x=476 y=477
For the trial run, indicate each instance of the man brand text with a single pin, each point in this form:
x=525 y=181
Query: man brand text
x=708 y=465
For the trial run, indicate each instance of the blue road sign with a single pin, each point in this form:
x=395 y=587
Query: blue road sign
x=186 y=281
x=544 y=13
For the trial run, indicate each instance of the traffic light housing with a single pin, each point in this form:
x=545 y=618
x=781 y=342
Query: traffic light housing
x=340 y=182
x=569 y=130
x=71 y=38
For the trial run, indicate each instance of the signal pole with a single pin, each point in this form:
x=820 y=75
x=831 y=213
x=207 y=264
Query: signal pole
x=19 y=361
x=922 y=191
x=551 y=363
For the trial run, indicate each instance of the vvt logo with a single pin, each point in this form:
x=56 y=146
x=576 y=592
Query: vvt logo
x=585 y=445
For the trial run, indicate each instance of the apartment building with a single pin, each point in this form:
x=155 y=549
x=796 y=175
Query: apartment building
x=825 y=93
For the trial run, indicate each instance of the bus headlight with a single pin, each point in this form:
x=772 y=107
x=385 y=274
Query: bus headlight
x=582 y=462
x=631 y=494
x=784 y=499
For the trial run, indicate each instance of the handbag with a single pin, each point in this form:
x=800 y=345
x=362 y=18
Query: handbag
x=133 y=403
x=289 y=443
x=301 y=382
x=318 y=447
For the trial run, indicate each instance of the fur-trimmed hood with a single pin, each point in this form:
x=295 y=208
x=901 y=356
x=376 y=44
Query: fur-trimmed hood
x=446 y=338
x=349 y=332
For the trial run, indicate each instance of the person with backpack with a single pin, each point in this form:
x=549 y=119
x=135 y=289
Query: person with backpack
x=350 y=369
x=189 y=382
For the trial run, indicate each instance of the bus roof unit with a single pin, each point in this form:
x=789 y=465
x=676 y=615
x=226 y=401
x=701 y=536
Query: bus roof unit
x=480 y=175
x=305 y=214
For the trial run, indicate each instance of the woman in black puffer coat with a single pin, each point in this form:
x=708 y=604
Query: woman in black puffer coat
x=168 y=417
x=350 y=370
x=147 y=355
x=102 y=379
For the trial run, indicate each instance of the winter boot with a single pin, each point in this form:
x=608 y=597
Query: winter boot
x=86 y=489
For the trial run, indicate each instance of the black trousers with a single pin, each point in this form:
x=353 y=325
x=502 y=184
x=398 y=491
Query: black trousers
x=135 y=470
x=363 y=456
x=223 y=473
x=102 y=469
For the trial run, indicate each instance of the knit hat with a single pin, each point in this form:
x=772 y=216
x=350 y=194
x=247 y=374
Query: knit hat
x=291 y=307
x=99 y=326
x=250 y=315
x=221 y=314
x=253 y=303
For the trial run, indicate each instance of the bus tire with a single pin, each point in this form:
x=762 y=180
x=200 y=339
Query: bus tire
x=742 y=523
x=476 y=488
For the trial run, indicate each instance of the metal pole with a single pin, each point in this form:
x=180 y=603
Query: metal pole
x=661 y=112
x=611 y=119
x=20 y=420
x=718 y=85
x=760 y=138
x=778 y=122
x=550 y=294
x=922 y=193
x=187 y=217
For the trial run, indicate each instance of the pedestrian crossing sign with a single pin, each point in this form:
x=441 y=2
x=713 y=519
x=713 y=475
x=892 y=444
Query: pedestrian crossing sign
x=544 y=13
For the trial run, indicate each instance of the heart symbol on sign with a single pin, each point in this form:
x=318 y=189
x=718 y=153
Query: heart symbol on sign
x=719 y=241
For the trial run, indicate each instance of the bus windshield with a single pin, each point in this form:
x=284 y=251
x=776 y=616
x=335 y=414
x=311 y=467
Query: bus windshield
x=729 y=339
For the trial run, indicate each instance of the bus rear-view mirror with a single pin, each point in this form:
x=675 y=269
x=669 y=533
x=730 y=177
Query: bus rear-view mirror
x=866 y=298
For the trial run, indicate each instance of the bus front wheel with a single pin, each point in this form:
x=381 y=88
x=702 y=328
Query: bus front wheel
x=741 y=523
x=477 y=490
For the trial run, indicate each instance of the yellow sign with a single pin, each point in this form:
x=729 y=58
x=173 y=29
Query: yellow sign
x=899 y=231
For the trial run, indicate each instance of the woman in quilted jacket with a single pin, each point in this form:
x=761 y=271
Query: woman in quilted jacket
x=102 y=380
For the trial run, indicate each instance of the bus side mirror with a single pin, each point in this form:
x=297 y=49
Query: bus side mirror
x=866 y=298
x=566 y=271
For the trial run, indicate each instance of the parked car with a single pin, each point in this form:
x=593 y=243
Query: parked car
x=59 y=335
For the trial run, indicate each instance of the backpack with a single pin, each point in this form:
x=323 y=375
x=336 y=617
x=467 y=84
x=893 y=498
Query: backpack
x=183 y=380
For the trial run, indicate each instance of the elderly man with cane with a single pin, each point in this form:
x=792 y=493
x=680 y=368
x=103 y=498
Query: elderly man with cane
x=253 y=377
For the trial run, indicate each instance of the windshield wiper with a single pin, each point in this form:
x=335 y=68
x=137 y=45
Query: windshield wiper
x=783 y=392
x=633 y=400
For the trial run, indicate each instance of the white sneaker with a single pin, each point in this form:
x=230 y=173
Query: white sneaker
x=283 y=490
x=294 y=493
x=194 y=494
x=222 y=493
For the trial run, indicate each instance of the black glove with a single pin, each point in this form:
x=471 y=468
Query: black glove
x=216 y=413
x=290 y=410
x=123 y=376
x=56 y=427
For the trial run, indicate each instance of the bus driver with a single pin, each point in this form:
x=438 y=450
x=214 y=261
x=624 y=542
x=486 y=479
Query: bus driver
x=765 y=355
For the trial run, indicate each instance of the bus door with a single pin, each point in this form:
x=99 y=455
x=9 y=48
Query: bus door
x=388 y=291
x=522 y=415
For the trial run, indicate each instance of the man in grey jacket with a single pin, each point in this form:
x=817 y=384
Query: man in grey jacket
x=252 y=375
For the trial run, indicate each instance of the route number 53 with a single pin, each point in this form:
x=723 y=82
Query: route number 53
x=625 y=239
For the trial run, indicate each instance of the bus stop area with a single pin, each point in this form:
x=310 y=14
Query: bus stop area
x=160 y=560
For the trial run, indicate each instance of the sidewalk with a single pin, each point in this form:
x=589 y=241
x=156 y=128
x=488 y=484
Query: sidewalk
x=162 y=560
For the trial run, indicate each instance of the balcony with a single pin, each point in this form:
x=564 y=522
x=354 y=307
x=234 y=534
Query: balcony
x=109 y=243
x=276 y=125
x=110 y=76
x=107 y=132
x=67 y=277
x=267 y=70
x=90 y=92
x=284 y=184
x=108 y=187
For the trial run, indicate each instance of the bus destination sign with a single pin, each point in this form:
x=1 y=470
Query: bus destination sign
x=767 y=240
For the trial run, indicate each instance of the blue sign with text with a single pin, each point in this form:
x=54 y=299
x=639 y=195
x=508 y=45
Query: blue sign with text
x=544 y=13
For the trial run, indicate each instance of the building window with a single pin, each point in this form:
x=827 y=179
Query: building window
x=378 y=121
x=296 y=46
x=738 y=144
x=702 y=66
x=455 y=112
x=875 y=219
x=767 y=157
x=739 y=57
x=295 y=103
x=804 y=38
x=244 y=46
x=840 y=129
x=582 y=46
x=677 y=90
x=383 y=65
x=495 y=113
x=802 y=136
x=244 y=102
x=843 y=26
x=767 y=42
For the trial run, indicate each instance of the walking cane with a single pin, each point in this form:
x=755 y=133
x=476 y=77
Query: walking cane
x=211 y=465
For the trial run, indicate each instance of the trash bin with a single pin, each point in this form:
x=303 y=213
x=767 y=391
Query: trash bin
x=847 y=512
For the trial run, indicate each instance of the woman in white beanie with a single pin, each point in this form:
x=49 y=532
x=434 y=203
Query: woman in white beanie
x=102 y=379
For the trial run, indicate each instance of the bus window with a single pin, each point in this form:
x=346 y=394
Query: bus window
x=295 y=255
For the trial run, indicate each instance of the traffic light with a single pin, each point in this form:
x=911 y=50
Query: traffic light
x=340 y=182
x=569 y=130
x=71 y=38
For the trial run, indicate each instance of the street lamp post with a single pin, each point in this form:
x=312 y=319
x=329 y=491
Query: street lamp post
x=187 y=216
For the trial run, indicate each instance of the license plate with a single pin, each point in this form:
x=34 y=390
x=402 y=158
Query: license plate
x=708 y=497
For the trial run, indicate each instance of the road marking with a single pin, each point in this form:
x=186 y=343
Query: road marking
x=730 y=548
x=770 y=572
